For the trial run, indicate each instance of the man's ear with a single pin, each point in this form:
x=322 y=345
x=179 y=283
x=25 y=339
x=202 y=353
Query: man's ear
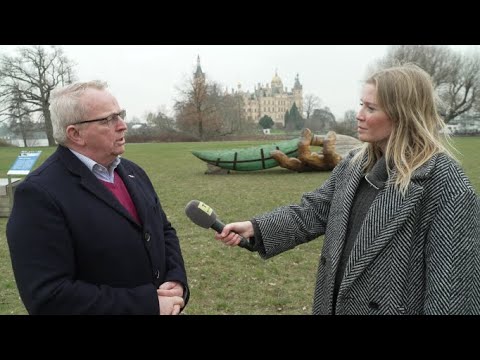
x=74 y=135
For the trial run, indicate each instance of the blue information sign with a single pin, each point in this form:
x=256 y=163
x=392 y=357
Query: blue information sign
x=24 y=163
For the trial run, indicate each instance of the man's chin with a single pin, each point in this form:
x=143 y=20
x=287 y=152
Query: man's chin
x=119 y=149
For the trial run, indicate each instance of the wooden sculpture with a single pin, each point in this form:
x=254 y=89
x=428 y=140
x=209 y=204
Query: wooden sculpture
x=290 y=154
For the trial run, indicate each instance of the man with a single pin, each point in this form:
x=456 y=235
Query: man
x=87 y=233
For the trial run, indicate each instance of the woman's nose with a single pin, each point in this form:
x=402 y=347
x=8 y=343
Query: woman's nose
x=359 y=115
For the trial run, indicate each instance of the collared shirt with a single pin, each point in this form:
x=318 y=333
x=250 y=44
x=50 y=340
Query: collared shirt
x=100 y=171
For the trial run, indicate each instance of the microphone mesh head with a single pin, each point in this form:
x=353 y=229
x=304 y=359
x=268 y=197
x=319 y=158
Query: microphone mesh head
x=200 y=213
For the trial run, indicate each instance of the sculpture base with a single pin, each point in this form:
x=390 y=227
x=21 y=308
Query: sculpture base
x=215 y=170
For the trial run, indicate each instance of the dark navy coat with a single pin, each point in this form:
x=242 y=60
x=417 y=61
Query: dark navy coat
x=76 y=250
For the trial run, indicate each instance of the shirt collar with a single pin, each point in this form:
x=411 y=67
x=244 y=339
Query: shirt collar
x=91 y=164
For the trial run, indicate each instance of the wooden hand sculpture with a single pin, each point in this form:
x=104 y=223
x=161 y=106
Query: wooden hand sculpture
x=294 y=154
x=308 y=160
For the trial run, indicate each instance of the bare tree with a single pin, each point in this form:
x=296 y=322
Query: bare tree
x=349 y=124
x=456 y=77
x=310 y=103
x=231 y=110
x=31 y=76
x=462 y=93
x=322 y=120
x=18 y=114
x=25 y=128
x=438 y=61
x=350 y=119
x=193 y=109
x=160 y=120
x=209 y=113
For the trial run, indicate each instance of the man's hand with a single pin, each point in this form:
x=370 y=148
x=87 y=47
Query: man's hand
x=171 y=289
x=170 y=305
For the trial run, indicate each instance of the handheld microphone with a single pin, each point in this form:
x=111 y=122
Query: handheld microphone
x=204 y=216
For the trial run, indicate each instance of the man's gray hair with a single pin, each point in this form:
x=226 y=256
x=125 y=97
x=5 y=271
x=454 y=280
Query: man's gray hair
x=66 y=107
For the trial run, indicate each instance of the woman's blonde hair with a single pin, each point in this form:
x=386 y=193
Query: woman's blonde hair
x=406 y=94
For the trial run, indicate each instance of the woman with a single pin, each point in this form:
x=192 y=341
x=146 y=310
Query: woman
x=400 y=218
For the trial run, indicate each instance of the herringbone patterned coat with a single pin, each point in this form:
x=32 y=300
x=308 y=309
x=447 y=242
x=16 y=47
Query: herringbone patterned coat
x=418 y=254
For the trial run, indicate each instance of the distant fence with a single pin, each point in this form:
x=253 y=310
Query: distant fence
x=30 y=142
x=471 y=133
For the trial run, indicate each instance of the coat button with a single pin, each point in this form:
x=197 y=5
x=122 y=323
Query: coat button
x=157 y=273
x=373 y=305
x=147 y=236
x=323 y=260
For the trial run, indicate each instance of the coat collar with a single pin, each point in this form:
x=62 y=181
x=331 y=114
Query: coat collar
x=94 y=186
x=424 y=171
x=378 y=175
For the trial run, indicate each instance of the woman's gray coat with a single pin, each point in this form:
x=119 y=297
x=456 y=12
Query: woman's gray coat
x=418 y=254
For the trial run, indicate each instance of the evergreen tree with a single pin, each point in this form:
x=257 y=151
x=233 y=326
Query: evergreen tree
x=266 y=122
x=296 y=118
x=289 y=125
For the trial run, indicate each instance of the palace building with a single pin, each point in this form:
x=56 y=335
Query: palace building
x=271 y=99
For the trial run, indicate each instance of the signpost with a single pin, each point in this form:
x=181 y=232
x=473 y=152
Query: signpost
x=24 y=163
x=22 y=166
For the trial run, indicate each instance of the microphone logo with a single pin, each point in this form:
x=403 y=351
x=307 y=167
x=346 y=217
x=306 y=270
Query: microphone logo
x=205 y=208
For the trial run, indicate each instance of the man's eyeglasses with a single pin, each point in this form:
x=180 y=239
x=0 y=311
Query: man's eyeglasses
x=109 y=120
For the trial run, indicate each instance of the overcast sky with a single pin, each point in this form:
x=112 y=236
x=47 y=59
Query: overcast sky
x=147 y=77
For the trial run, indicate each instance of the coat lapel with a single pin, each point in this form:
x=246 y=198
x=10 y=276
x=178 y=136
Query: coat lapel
x=90 y=182
x=134 y=189
x=350 y=185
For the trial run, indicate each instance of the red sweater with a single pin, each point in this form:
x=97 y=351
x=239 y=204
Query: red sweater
x=120 y=191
